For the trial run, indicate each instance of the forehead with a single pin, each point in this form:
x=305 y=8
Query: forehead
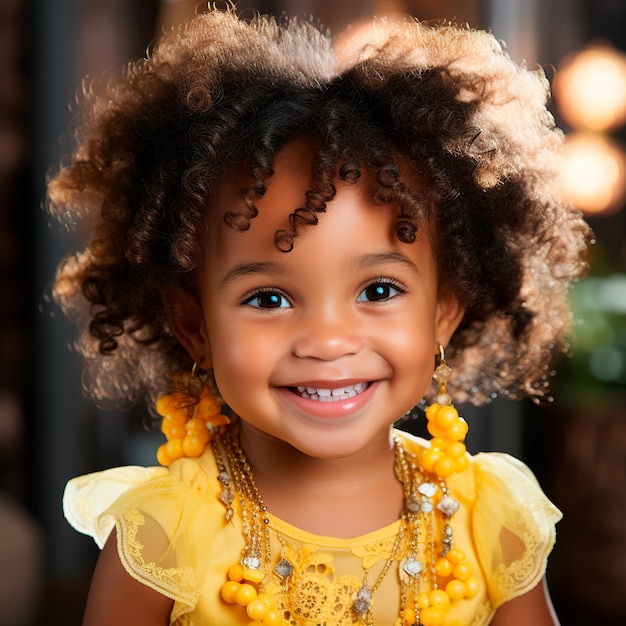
x=280 y=207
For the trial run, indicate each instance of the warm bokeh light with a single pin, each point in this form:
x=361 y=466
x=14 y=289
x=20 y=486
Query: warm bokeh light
x=590 y=88
x=594 y=176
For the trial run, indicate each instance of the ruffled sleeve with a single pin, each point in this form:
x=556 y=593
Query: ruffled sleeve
x=513 y=525
x=87 y=497
x=163 y=520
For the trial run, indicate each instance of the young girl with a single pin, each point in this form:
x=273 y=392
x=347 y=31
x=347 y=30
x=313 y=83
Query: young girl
x=284 y=250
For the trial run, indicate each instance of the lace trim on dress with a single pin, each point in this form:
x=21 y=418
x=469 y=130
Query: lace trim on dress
x=522 y=574
x=178 y=583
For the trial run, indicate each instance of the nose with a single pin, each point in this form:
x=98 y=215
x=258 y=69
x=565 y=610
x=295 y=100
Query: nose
x=328 y=335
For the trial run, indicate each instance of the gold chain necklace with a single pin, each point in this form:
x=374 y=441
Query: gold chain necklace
x=432 y=574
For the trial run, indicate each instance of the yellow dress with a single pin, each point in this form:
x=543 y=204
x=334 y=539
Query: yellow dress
x=172 y=536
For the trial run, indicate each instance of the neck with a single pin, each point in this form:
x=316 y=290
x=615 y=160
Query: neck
x=342 y=497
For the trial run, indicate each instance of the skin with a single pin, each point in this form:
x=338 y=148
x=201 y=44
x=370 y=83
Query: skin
x=350 y=305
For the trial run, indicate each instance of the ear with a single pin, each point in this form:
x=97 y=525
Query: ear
x=447 y=317
x=186 y=318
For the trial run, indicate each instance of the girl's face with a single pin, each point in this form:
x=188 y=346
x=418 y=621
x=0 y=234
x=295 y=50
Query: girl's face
x=326 y=346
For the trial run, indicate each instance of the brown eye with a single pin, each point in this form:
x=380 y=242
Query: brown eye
x=379 y=291
x=267 y=300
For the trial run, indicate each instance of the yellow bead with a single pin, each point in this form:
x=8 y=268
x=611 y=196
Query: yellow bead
x=443 y=567
x=440 y=613
x=447 y=416
x=455 y=450
x=434 y=429
x=229 y=589
x=432 y=616
x=431 y=411
x=438 y=443
x=195 y=425
x=171 y=403
x=445 y=467
x=235 y=572
x=257 y=609
x=269 y=600
x=168 y=423
x=409 y=616
x=166 y=426
x=193 y=446
x=207 y=407
x=165 y=404
x=273 y=618
x=162 y=456
x=472 y=587
x=178 y=416
x=426 y=616
x=456 y=589
x=218 y=420
x=456 y=432
x=462 y=424
x=422 y=601
x=429 y=458
x=245 y=594
x=462 y=463
x=175 y=431
x=174 y=449
x=438 y=597
x=462 y=571
x=252 y=575
x=456 y=556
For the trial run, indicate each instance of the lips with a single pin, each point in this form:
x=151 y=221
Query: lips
x=336 y=394
x=328 y=399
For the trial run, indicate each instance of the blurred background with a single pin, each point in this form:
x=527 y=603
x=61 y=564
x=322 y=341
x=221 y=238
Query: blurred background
x=49 y=432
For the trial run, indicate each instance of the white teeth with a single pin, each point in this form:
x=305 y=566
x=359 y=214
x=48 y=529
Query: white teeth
x=331 y=395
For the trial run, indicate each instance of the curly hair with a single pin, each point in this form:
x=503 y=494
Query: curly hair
x=153 y=146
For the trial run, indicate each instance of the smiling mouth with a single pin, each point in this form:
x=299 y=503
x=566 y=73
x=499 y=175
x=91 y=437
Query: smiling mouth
x=330 y=395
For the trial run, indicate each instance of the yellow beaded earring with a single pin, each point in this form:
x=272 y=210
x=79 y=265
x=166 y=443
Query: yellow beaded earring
x=446 y=455
x=191 y=413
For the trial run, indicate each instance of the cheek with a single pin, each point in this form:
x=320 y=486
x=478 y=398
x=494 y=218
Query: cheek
x=410 y=348
x=240 y=356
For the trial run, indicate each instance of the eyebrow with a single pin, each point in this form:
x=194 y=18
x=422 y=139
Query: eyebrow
x=248 y=269
x=386 y=258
